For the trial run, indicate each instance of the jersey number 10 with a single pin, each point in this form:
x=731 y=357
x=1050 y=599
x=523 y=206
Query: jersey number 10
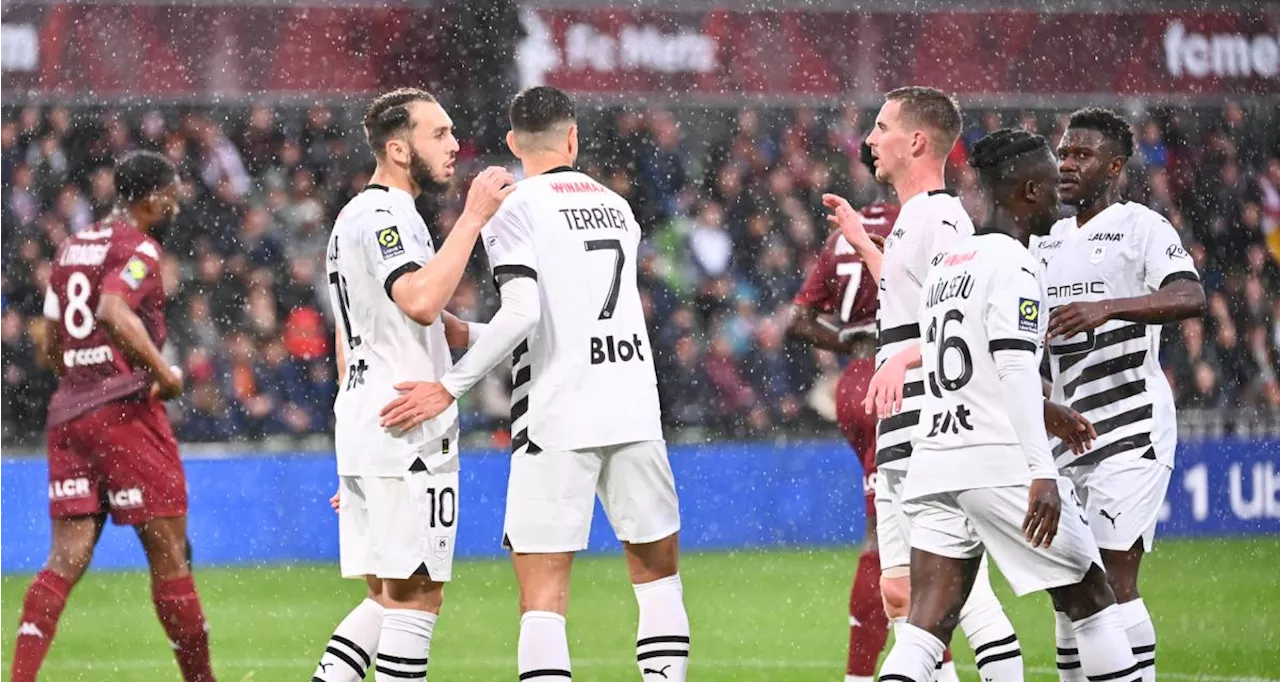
x=344 y=305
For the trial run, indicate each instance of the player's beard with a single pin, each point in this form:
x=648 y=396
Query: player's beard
x=420 y=173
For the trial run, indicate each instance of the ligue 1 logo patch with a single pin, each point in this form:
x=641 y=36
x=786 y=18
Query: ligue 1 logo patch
x=135 y=271
x=1028 y=315
x=389 y=242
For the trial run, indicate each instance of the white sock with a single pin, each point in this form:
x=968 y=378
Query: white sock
x=947 y=672
x=662 y=637
x=405 y=645
x=858 y=678
x=995 y=645
x=543 y=650
x=1104 y=649
x=1142 y=635
x=351 y=648
x=1064 y=632
x=914 y=656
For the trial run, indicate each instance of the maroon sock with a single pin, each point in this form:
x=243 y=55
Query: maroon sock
x=178 y=606
x=868 y=626
x=40 y=612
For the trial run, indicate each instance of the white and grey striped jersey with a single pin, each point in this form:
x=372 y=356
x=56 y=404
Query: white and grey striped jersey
x=928 y=225
x=584 y=378
x=1112 y=374
x=378 y=237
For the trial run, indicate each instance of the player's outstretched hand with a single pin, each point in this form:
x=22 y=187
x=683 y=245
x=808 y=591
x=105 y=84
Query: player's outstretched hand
x=1071 y=426
x=1073 y=318
x=884 y=394
x=493 y=185
x=848 y=220
x=336 y=500
x=418 y=402
x=168 y=385
x=1043 y=509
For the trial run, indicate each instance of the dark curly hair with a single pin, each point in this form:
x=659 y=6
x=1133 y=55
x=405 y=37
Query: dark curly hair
x=1115 y=129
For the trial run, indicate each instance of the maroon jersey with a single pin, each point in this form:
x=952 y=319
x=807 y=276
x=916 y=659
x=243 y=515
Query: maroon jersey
x=111 y=257
x=839 y=283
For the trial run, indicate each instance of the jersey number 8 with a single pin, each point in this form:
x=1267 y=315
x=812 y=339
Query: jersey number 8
x=77 y=318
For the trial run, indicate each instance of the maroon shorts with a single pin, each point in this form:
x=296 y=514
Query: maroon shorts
x=122 y=457
x=858 y=427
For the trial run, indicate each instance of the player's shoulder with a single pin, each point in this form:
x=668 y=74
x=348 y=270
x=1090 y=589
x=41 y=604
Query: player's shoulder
x=1145 y=219
x=374 y=200
x=1001 y=250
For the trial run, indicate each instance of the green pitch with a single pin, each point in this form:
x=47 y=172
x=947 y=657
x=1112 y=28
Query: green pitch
x=777 y=615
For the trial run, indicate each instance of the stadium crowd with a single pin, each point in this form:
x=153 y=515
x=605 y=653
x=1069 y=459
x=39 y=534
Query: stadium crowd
x=731 y=229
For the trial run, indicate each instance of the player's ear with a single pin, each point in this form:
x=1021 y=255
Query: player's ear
x=511 y=143
x=573 y=140
x=396 y=151
x=1116 y=166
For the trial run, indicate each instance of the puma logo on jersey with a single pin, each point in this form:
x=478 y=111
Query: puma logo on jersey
x=1107 y=237
x=1104 y=514
x=661 y=672
x=29 y=629
x=382 y=210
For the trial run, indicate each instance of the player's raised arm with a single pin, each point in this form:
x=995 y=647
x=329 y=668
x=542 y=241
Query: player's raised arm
x=515 y=273
x=421 y=292
x=850 y=223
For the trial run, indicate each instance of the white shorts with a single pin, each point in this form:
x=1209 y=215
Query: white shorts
x=893 y=532
x=398 y=526
x=962 y=524
x=551 y=496
x=1121 y=500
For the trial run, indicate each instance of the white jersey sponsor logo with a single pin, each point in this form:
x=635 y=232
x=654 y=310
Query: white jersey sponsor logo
x=124 y=499
x=87 y=356
x=69 y=488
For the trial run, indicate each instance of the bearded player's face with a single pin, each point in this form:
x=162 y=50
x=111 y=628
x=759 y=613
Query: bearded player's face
x=432 y=147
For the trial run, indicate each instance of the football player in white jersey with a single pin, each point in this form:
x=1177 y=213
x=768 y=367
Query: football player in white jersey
x=981 y=477
x=1115 y=273
x=914 y=132
x=584 y=410
x=398 y=487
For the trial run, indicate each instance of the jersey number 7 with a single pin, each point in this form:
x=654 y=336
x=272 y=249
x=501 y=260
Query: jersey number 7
x=611 y=301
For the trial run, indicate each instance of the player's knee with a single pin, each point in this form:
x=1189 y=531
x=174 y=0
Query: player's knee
x=1087 y=597
x=895 y=590
x=544 y=597
x=652 y=560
